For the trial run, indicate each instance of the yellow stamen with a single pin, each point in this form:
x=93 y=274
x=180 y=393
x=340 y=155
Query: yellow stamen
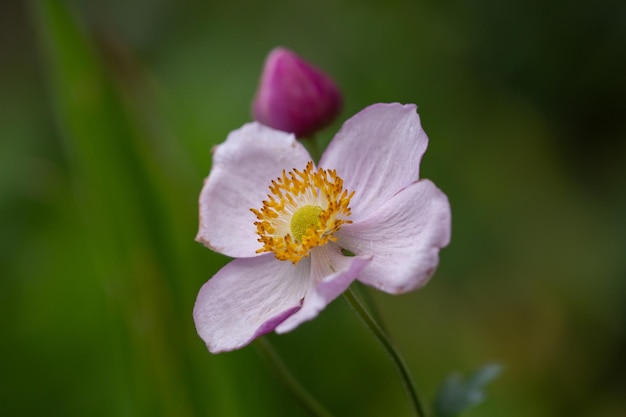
x=303 y=210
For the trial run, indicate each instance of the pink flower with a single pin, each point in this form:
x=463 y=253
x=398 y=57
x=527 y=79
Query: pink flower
x=287 y=222
x=293 y=96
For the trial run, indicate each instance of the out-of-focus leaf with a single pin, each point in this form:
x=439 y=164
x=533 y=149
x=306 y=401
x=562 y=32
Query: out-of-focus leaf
x=138 y=204
x=457 y=395
x=120 y=209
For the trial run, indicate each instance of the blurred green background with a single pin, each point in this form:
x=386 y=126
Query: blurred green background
x=109 y=110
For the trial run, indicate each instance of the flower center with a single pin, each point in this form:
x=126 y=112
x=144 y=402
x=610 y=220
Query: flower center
x=303 y=218
x=303 y=210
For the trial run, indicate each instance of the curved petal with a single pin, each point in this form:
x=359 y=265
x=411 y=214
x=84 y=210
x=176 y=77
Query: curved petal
x=403 y=236
x=243 y=167
x=331 y=274
x=248 y=298
x=377 y=152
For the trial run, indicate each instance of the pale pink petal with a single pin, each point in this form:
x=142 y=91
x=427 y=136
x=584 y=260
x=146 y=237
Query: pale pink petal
x=248 y=298
x=377 y=152
x=331 y=274
x=243 y=167
x=403 y=236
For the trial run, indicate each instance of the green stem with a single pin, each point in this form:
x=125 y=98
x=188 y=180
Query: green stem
x=302 y=395
x=312 y=145
x=401 y=367
x=361 y=293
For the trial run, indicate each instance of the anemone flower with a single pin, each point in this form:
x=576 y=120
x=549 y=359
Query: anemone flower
x=302 y=234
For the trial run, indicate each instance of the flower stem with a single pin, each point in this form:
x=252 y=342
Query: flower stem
x=312 y=145
x=366 y=300
x=378 y=331
x=302 y=395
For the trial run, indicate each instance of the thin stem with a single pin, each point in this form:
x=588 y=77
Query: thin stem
x=401 y=367
x=302 y=395
x=361 y=293
x=312 y=145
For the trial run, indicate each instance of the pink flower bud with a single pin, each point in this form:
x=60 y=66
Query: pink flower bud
x=293 y=96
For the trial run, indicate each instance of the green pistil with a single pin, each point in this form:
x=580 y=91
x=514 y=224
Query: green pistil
x=304 y=218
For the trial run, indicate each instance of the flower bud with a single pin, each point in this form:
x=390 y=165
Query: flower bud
x=293 y=96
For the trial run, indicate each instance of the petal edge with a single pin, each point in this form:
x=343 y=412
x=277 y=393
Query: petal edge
x=331 y=274
x=377 y=152
x=404 y=237
x=247 y=298
x=243 y=167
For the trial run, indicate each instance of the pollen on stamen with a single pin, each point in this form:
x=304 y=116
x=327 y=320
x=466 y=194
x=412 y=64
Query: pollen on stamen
x=322 y=204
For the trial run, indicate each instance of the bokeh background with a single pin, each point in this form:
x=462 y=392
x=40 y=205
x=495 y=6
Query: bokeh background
x=109 y=110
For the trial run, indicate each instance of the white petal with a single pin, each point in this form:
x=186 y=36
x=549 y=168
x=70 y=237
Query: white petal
x=243 y=167
x=403 y=236
x=331 y=274
x=377 y=152
x=248 y=298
